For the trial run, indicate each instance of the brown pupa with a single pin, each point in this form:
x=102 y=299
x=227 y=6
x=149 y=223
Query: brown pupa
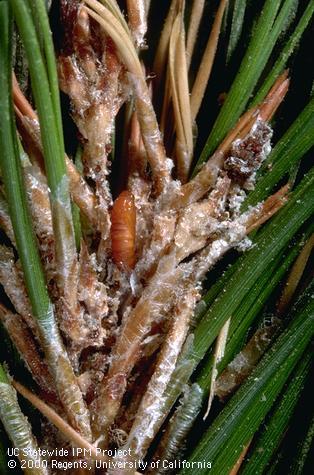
x=123 y=222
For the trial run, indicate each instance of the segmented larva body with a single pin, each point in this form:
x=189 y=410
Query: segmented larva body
x=123 y=222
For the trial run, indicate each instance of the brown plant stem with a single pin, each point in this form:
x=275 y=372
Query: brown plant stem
x=206 y=178
x=264 y=111
x=240 y=460
x=161 y=166
x=179 y=90
x=295 y=276
x=11 y=278
x=160 y=61
x=243 y=364
x=65 y=429
x=195 y=20
x=142 y=431
x=204 y=70
x=126 y=351
x=26 y=346
x=81 y=193
x=137 y=20
x=264 y=212
x=136 y=150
